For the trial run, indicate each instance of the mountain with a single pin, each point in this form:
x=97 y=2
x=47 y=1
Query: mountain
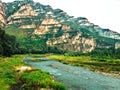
x=39 y=28
x=7 y=42
x=2 y=16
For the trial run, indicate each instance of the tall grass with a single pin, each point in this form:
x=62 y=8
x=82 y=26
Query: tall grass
x=107 y=65
x=70 y=58
x=35 y=79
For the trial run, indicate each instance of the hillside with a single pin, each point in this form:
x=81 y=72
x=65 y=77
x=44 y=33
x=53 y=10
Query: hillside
x=2 y=16
x=40 y=28
x=7 y=42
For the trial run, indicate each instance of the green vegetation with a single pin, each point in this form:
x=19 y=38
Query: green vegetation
x=107 y=60
x=7 y=74
x=29 y=43
x=108 y=65
x=99 y=53
x=106 y=53
x=34 y=79
x=13 y=30
x=7 y=44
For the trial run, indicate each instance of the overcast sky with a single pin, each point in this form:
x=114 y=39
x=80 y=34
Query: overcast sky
x=105 y=13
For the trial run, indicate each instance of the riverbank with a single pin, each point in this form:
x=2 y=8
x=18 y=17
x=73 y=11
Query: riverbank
x=110 y=67
x=14 y=75
x=74 y=77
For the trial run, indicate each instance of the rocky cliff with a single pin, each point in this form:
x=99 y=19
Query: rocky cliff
x=21 y=17
x=55 y=28
x=76 y=43
x=51 y=25
x=2 y=16
x=117 y=45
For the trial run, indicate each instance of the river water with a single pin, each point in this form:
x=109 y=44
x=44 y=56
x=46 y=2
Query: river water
x=75 y=78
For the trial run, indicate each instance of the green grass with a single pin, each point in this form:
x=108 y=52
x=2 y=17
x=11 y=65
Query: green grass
x=37 y=79
x=28 y=80
x=107 y=65
x=7 y=73
x=19 y=33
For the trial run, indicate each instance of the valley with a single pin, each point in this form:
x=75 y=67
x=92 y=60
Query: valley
x=42 y=48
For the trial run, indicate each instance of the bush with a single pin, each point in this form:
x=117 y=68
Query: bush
x=37 y=79
x=58 y=86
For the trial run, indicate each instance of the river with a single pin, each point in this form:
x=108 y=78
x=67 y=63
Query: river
x=75 y=78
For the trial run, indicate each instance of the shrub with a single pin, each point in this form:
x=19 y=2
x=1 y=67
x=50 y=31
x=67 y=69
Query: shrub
x=37 y=79
x=58 y=86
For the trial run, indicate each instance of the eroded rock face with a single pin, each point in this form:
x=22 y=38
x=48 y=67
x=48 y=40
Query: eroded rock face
x=2 y=16
x=76 y=43
x=23 y=15
x=28 y=26
x=66 y=41
x=110 y=34
x=24 y=11
x=49 y=24
x=117 y=45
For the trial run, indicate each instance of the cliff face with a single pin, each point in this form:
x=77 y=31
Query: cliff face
x=117 y=45
x=65 y=41
x=2 y=16
x=56 y=28
x=50 y=25
x=23 y=17
x=24 y=11
x=76 y=43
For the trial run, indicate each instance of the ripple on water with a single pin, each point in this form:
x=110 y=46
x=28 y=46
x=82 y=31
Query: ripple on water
x=76 y=78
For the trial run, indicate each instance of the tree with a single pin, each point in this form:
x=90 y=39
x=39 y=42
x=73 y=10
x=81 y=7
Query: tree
x=7 y=44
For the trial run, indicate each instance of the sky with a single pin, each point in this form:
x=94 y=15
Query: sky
x=105 y=13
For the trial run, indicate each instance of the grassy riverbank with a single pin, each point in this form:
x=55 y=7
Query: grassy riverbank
x=34 y=79
x=105 y=66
